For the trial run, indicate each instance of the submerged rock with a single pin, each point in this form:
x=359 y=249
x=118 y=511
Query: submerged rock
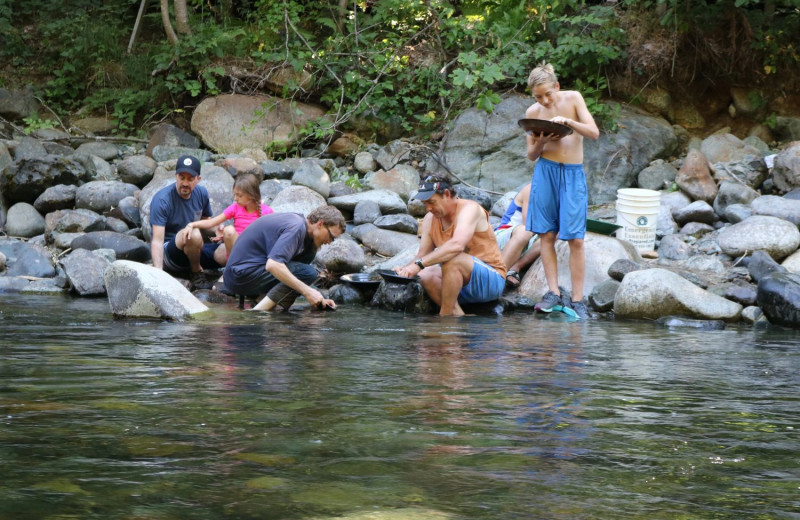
x=779 y=298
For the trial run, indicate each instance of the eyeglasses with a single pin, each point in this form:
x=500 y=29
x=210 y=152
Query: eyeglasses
x=330 y=234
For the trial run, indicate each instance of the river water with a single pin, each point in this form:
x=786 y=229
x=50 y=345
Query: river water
x=370 y=414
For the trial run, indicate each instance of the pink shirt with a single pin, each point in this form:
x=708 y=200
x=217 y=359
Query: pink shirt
x=242 y=218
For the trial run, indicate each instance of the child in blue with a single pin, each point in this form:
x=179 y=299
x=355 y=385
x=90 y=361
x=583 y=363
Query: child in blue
x=559 y=198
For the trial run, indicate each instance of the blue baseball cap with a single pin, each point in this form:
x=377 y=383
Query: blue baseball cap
x=188 y=164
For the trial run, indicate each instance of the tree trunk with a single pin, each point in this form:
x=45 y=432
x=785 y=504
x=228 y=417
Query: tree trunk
x=171 y=36
x=182 y=17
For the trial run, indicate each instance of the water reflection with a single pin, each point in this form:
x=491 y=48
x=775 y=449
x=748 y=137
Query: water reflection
x=314 y=415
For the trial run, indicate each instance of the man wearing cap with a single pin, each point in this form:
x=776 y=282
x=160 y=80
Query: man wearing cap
x=458 y=260
x=172 y=208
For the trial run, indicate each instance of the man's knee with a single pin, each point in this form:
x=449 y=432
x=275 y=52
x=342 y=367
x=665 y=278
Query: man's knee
x=306 y=273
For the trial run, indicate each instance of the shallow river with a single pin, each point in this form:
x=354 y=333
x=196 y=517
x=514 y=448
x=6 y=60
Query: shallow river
x=370 y=414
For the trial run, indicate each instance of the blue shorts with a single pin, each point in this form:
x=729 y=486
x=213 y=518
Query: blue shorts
x=559 y=200
x=485 y=284
x=176 y=260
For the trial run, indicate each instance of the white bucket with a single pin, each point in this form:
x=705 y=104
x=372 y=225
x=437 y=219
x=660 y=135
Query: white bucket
x=637 y=214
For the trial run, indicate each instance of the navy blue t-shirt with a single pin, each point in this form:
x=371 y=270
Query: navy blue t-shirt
x=283 y=237
x=172 y=211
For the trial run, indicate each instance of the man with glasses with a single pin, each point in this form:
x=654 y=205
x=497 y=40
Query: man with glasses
x=273 y=256
x=458 y=260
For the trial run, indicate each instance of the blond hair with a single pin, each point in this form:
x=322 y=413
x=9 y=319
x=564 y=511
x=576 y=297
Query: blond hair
x=543 y=73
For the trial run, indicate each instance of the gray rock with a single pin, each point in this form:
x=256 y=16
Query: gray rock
x=127 y=210
x=665 y=223
x=476 y=194
x=393 y=153
x=344 y=294
x=416 y=208
x=116 y=225
x=657 y=175
x=741 y=293
x=102 y=196
x=750 y=171
x=674 y=200
x=270 y=189
x=16 y=105
x=709 y=263
x=312 y=176
x=780 y=207
x=619 y=268
x=395 y=297
x=366 y=212
x=736 y=213
x=84 y=270
x=725 y=148
x=13 y=284
x=696 y=229
x=73 y=221
x=500 y=206
x=777 y=237
x=786 y=169
x=341 y=188
x=137 y=170
x=762 y=264
x=125 y=246
x=752 y=314
x=403 y=223
x=58 y=149
x=140 y=291
x=29 y=178
x=653 y=293
x=602 y=296
x=297 y=199
x=731 y=192
x=792 y=262
x=787 y=128
x=388 y=201
x=97 y=168
x=103 y=149
x=364 y=162
x=276 y=170
x=24 y=221
x=388 y=243
x=688 y=323
x=63 y=241
x=673 y=247
x=29 y=148
x=697 y=211
x=26 y=259
x=172 y=153
x=54 y=198
x=341 y=256
x=168 y=135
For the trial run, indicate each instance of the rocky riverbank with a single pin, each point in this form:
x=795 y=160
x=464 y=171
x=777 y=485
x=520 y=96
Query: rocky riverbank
x=727 y=232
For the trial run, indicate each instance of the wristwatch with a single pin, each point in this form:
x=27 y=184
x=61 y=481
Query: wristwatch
x=419 y=263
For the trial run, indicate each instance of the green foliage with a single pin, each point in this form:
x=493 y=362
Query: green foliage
x=34 y=123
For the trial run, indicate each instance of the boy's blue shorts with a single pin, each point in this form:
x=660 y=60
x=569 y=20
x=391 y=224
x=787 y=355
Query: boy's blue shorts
x=559 y=200
x=485 y=284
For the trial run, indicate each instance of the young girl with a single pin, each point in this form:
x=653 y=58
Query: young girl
x=246 y=208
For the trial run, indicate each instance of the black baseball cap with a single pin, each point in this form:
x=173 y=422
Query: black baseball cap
x=430 y=186
x=188 y=164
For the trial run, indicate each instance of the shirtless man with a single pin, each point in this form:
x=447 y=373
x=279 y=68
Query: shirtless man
x=458 y=260
x=559 y=198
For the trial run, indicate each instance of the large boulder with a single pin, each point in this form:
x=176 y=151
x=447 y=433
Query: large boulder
x=313 y=176
x=341 y=256
x=26 y=259
x=140 y=291
x=786 y=169
x=231 y=123
x=489 y=150
x=24 y=221
x=601 y=252
x=137 y=170
x=778 y=237
x=774 y=206
x=653 y=293
x=28 y=178
x=779 y=298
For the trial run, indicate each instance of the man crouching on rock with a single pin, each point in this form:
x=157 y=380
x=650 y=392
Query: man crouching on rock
x=458 y=260
x=273 y=255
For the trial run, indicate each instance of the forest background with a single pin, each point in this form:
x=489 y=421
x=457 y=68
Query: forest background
x=386 y=67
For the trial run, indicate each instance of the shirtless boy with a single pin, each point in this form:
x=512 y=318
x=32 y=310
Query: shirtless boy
x=559 y=198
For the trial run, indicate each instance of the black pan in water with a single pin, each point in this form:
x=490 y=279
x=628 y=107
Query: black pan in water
x=362 y=280
x=392 y=277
